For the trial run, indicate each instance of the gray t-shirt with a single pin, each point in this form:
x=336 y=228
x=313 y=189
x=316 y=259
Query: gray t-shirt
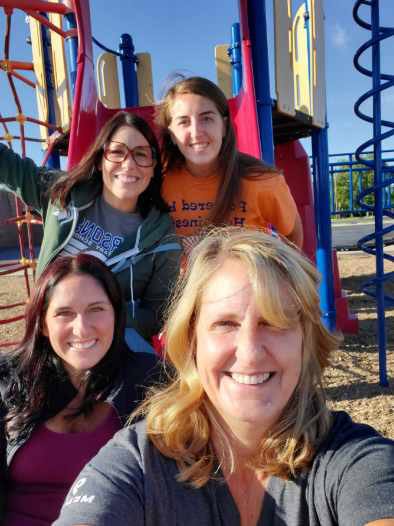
x=101 y=230
x=350 y=483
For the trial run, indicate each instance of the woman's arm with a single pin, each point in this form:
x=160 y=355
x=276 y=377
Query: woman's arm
x=357 y=477
x=147 y=320
x=275 y=205
x=296 y=236
x=109 y=490
x=24 y=178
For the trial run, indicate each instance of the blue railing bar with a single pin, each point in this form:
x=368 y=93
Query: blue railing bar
x=323 y=226
x=128 y=61
x=105 y=48
x=258 y=36
x=235 y=55
x=72 y=50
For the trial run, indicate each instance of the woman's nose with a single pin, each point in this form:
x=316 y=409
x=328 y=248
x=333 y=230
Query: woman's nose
x=195 y=128
x=249 y=341
x=129 y=160
x=81 y=325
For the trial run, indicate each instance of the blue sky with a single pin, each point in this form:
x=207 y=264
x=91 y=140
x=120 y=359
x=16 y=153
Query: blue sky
x=182 y=38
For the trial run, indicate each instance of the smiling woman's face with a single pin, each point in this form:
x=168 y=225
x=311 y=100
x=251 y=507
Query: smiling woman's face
x=124 y=182
x=249 y=370
x=198 y=129
x=79 y=323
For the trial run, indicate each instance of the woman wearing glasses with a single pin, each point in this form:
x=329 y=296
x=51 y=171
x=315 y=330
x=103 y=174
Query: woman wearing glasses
x=109 y=206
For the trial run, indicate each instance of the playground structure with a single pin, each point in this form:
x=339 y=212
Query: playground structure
x=349 y=179
x=265 y=128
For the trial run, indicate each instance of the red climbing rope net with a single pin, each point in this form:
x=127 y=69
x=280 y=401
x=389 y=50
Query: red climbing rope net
x=24 y=217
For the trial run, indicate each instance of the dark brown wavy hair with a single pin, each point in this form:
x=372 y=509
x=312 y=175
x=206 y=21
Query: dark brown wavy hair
x=36 y=372
x=87 y=168
x=232 y=164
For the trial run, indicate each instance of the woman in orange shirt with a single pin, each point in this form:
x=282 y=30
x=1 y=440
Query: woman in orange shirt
x=207 y=180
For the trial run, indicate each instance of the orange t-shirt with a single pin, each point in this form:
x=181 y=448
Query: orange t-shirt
x=264 y=201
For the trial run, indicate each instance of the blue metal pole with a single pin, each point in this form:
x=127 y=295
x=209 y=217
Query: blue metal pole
x=323 y=226
x=128 y=61
x=351 y=183
x=258 y=36
x=377 y=130
x=53 y=160
x=72 y=50
x=236 y=58
x=333 y=193
x=360 y=186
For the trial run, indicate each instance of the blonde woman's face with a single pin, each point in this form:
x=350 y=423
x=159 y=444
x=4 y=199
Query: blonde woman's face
x=249 y=370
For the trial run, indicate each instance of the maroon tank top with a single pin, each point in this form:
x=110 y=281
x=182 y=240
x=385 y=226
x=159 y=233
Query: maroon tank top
x=44 y=468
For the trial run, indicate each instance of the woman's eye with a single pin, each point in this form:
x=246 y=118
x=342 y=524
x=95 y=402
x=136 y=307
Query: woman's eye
x=226 y=324
x=63 y=314
x=141 y=154
x=116 y=153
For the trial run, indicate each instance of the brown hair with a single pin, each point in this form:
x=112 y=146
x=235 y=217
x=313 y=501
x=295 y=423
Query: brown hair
x=233 y=164
x=87 y=170
x=39 y=371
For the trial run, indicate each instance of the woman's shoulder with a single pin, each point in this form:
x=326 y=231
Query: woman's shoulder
x=345 y=431
x=157 y=219
x=128 y=473
x=158 y=230
x=352 y=474
x=353 y=446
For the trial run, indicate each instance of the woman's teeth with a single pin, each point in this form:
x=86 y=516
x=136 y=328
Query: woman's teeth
x=83 y=345
x=250 y=379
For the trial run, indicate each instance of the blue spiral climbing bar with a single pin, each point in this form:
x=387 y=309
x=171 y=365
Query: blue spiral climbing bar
x=383 y=175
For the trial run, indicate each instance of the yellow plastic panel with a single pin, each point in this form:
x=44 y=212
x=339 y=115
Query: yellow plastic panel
x=60 y=79
x=144 y=79
x=107 y=80
x=284 y=57
x=301 y=61
x=223 y=69
x=318 y=66
x=39 y=70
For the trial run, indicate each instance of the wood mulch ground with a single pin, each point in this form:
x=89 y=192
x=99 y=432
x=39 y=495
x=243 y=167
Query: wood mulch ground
x=352 y=380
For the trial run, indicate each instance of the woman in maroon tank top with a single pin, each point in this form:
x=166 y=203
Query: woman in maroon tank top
x=67 y=389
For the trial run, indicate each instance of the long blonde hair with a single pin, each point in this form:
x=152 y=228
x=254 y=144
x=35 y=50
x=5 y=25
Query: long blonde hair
x=180 y=417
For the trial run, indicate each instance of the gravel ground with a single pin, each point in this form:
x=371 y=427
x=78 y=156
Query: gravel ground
x=352 y=380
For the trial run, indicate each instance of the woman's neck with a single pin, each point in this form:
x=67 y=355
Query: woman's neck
x=247 y=487
x=243 y=439
x=202 y=170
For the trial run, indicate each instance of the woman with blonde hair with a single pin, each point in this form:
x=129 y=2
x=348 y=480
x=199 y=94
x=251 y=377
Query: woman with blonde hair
x=242 y=434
